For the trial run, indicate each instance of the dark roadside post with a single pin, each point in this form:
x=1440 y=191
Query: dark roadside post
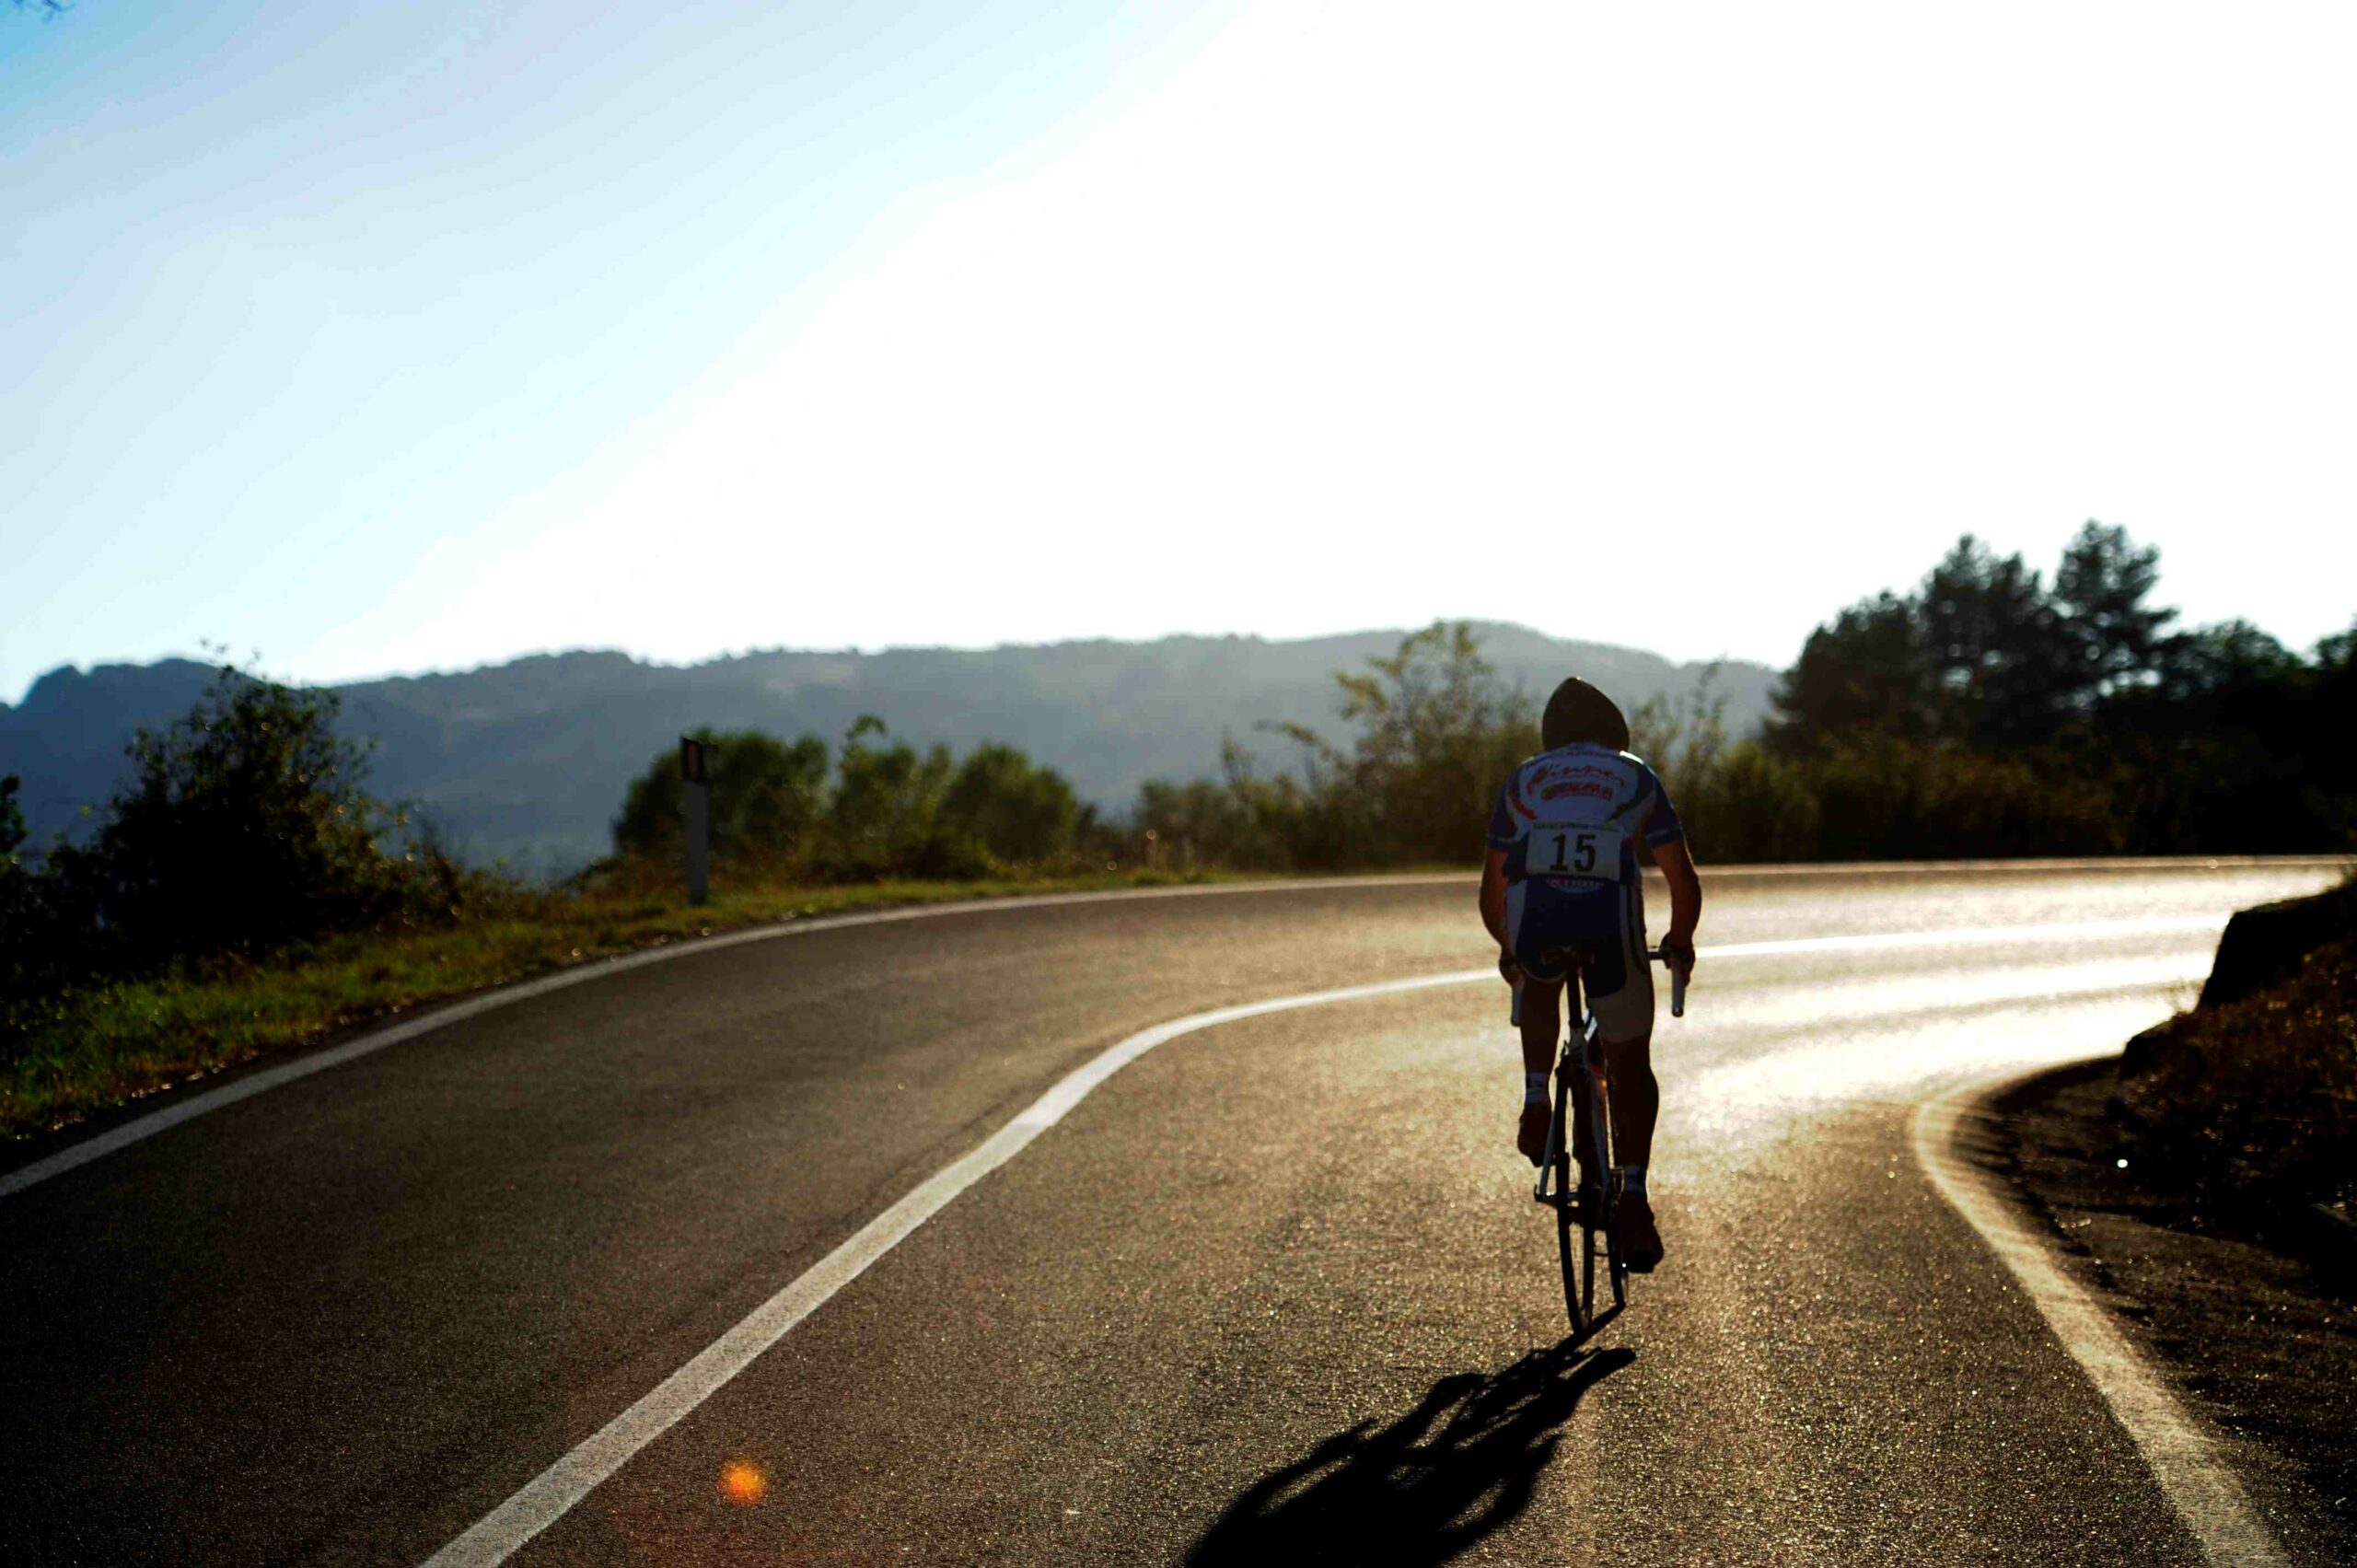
x=699 y=804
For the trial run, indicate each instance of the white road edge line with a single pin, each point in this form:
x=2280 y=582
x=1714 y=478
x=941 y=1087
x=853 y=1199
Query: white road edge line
x=146 y=1127
x=551 y=1494
x=75 y=1156
x=2183 y=1460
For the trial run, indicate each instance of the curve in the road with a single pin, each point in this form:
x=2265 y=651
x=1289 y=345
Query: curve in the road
x=2198 y=1486
x=373 y=1040
x=147 y=1126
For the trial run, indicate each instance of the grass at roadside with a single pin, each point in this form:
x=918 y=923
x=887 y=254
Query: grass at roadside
x=111 y=1043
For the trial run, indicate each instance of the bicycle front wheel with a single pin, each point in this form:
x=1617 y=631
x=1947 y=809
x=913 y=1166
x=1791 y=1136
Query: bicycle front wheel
x=1574 y=1238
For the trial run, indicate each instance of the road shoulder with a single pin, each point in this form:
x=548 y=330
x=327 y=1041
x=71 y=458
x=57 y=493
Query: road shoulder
x=2261 y=1343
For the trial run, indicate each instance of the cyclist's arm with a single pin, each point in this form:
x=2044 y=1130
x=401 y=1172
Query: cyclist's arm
x=1677 y=863
x=1494 y=897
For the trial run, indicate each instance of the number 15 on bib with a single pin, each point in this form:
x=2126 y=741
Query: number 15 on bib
x=1573 y=849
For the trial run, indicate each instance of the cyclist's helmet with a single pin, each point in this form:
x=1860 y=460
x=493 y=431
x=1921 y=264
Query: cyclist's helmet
x=1579 y=712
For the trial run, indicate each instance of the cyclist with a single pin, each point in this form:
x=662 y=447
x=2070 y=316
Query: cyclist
x=1563 y=872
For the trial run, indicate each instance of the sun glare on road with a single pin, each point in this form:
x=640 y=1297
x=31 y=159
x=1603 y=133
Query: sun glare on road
x=743 y=1483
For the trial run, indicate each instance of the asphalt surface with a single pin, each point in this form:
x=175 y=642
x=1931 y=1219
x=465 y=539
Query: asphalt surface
x=1275 y=1291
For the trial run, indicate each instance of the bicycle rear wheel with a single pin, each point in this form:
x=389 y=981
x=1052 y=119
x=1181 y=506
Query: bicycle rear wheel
x=1604 y=1234
x=1587 y=1237
x=1575 y=1220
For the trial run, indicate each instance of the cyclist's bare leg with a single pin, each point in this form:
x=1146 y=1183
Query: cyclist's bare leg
x=1542 y=1023
x=1636 y=1099
x=1541 y=1001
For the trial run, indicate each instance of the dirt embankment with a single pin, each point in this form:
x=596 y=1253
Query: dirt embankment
x=2204 y=1179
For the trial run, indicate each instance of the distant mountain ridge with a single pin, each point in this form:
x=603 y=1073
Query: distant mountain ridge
x=529 y=759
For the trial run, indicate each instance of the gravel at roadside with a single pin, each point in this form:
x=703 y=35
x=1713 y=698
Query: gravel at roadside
x=2258 y=1330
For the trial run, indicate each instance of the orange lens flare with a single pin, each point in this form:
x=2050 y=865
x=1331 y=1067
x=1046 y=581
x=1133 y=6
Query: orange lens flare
x=742 y=1484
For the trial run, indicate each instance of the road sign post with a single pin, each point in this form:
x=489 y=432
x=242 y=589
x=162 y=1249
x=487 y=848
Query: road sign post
x=699 y=805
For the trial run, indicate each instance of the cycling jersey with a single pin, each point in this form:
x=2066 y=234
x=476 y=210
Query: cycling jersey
x=1615 y=797
x=1569 y=821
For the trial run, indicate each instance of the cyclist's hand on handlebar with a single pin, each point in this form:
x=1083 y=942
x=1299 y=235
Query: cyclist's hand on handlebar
x=1678 y=954
x=1508 y=970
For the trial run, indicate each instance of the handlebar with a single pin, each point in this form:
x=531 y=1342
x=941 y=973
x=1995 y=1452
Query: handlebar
x=1677 y=981
x=1653 y=955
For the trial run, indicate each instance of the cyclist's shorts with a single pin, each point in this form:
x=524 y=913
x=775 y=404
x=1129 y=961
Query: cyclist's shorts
x=1606 y=917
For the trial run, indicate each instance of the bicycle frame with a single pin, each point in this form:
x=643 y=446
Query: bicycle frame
x=1588 y=1057
x=1580 y=1069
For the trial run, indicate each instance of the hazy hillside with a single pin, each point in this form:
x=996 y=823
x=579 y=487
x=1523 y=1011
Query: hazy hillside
x=529 y=759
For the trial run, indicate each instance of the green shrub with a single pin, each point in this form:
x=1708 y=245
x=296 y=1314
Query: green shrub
x=1020 y=813
x=12 y=818
x=1437 y=734
x=767 y=797
x=243 y=830
x=880 y=809
x=1885 y=799
x=1241 y=820
x=244 y=827
x=1751 y=807
x=882 y=818
x=40 y=953
x=1739 y=802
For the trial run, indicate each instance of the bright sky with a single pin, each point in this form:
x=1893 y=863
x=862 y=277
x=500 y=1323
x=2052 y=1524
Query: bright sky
x=388 y=338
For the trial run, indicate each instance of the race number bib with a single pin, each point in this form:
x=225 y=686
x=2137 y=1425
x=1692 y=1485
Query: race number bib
x=1573 y=849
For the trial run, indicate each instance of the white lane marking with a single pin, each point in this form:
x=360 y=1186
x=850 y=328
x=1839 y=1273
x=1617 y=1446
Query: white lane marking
x=2142 y=926
x=2185 y=1462
x=548 y=1496
x=1921 y=868
x=146 y=1127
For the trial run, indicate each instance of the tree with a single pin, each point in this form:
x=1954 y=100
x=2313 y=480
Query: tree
x=883 y=819
x=244 y=827
x=2115 y=641
x=2337 y=655
x=888 y=810
x=1438 y=732
x=12 y=818
x=41 y=953
x=31 y=954
x=1998 y=651
x=1980 y=653
x=1865 y=673
x=1240 y=819
x=2210 y=661
x=767 y=795
x=2331 y=740
x=1020 y=812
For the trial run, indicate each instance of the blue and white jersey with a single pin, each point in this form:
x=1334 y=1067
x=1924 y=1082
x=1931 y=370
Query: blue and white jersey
x=1575 y=816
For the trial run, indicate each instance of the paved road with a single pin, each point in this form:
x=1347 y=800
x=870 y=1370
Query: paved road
x=1275 y=1290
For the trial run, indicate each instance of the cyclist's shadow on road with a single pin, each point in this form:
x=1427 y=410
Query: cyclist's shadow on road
x=1424 y=1487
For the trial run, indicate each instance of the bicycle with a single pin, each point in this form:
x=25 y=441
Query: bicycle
x=1587 y=1208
